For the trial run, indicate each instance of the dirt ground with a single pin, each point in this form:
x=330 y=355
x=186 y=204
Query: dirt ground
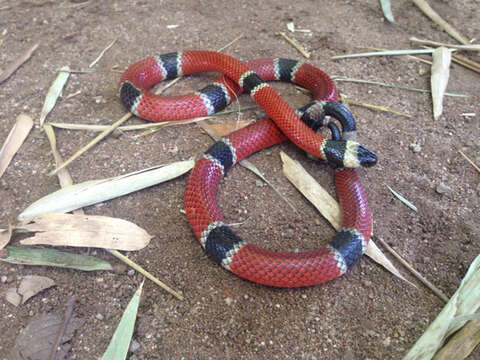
x=365 y=314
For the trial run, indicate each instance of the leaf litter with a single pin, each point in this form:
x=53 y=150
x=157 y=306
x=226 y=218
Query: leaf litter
x=85 y=231
x=51 y=257
x=328 y=206
x=14 y=141
x=94 y=191
x=36 y=340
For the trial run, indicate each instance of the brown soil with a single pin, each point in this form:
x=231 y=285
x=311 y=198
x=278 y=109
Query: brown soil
x=366 y=314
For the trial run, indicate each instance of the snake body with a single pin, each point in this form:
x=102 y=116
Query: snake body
x=282 y=269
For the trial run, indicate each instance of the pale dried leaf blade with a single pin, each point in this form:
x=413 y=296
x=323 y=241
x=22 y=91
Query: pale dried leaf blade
x=12 y=67
x=462 y=343
x=94 y=191
x=50 y=257
x=12 y=296
x=225 y=128
x=327 y=206
x=374 y=253
x=32 y=285
x=5 y=236
x=387 y=10
x=14 y=140
x=54 y=92
x=35 y=341
x=86 y=231
x=63 y=175
x=440 y=73
x=120 y=342
x=314 y=193
x=465 y=301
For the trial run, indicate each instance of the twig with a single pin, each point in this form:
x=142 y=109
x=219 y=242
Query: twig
x=419 y=276
x=436 y=44
x=469 y=160
x=145 y=273
x=373 y=107
x=230 y=43
x=433 y=15
x=102 y=53
x=97 y=139
x=386 y=53
x=63 y=327
x=371 y=82
x=300 y=49
x=12 y=67
x=409 y=56
x=466 y=62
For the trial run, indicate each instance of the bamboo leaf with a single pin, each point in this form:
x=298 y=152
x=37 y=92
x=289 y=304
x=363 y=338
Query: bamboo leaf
x=50 y=257
x=385 y=53
x=118 y=347
x=14 y=140
x=402 y=199
x=387 y=10
x=439 y=79
x=5 y=235
x=465 y=301
x=85 y=231
x=94 y=191
x=328 y=206
x=12 y=67
x=54 y=92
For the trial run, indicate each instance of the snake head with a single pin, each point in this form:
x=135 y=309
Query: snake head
x=349 y=154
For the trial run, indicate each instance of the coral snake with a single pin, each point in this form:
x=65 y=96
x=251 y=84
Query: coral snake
x=282 y=269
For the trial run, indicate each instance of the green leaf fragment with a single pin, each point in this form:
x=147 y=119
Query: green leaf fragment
x=402 y=199
x=50 y=257
x=54 y=92
x=120 y=343
x=387 y=10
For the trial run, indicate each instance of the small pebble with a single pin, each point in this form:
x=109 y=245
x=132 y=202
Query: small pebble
x=386 y=342
x=442 y=189
x=131 y=272
x=415 y=148
x=3 y=279
x=100 y=316
x=228 y=301
x=134 y=346
x=259 y=183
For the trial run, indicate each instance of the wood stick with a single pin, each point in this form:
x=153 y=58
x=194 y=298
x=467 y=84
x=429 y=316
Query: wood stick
x=433 y=15
x=437 y=44
x=419 y=276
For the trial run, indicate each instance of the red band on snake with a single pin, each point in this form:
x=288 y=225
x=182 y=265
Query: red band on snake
x=281 y=269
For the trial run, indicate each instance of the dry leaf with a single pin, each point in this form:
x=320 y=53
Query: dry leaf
x=63 y=175
x=15 y=139
x=86 y=231
x=11 y=68
x=439 y=78
x=219 y=130
x=5 y=235
x=32 y=285
x=328 y=206
x=13 y=297
x=314 y=193
x=91 y=192
x=35 y=341
x=54 y=92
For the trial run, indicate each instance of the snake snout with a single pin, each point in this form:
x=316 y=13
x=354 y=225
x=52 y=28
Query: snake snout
x=366 y=158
